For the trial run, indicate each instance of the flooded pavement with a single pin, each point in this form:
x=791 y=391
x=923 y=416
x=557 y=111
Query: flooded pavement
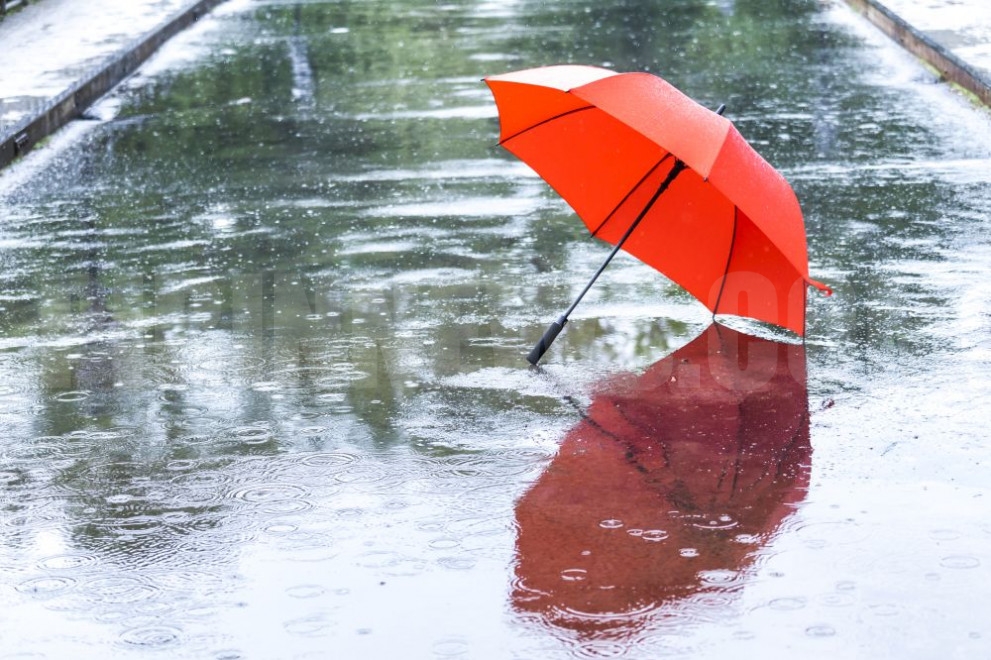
x=263 y=391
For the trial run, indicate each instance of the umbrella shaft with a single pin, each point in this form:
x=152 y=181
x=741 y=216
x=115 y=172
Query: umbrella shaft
x=675 y=171
x=555 y=328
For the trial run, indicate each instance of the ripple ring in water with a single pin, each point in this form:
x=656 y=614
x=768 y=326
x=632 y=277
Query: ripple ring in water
x=66 y=562
x=601 y=649
x=602 y=617
x=269 y=492
x=330 y=460
x=305 y=591
x=119 y=589
x=363 y=475
x=201 y=487
x=46 y=586
x=72 y=397
x=252 y=435
x=152 y=636
x=311 y=626
x=960 y=561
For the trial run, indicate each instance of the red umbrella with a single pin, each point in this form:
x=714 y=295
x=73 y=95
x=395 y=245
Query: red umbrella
x=650 y=170
x=667 y=486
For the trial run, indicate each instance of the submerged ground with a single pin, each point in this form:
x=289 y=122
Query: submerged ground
x=261 y=379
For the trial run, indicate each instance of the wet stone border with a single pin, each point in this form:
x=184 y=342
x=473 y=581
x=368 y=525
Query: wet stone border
x=7 y=5
x=70 y=104
x=950 y=67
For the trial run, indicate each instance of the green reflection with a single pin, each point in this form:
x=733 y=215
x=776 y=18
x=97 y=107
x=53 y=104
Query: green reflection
x=312 y=227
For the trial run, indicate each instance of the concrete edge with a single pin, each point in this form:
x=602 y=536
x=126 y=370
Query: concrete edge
x=928 y=50
x=7 y=5
x=71 y=103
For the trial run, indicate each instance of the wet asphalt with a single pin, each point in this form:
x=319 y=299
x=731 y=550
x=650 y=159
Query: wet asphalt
x=58 y=50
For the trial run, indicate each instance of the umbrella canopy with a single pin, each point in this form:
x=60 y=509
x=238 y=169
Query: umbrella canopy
x=728 y=227
x=667 y=487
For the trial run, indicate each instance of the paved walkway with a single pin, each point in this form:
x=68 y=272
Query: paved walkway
x=954 y=36
x=59 y=56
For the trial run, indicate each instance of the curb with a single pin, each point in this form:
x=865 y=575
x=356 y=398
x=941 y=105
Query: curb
x=7 y=5
x=950 y=67
x=71 y=103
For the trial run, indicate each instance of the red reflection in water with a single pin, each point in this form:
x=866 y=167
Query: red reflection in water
x=667 y=487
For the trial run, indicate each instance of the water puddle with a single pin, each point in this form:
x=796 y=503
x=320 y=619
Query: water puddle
x=262 y=327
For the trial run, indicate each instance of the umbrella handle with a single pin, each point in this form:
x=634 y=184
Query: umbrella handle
x=557 y=326
x=553 y=330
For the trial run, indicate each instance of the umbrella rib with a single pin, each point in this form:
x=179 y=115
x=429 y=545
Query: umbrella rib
x=545 y=121
x=630 y=448
x=631 y=191
x=737 y=462
x=796 y=438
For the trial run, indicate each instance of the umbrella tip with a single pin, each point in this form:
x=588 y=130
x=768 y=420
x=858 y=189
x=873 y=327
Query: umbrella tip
x=721 y=109
x=824 y=288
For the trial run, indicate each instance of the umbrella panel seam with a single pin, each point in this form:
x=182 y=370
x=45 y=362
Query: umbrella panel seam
x=632 y=190
x=503 y=141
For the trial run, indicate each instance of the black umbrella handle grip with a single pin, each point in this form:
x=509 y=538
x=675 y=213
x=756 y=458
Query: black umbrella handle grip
x=553 y=330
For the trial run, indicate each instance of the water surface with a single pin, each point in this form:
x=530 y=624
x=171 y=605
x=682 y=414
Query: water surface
x=264 y=316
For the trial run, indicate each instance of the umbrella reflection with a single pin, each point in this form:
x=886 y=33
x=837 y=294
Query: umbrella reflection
x=667 y=487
